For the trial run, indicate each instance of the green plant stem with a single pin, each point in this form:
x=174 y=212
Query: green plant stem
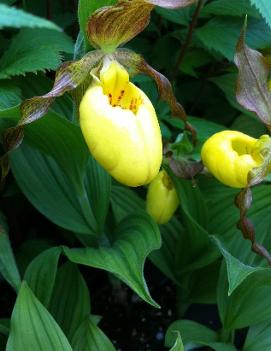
x=182 y=294
x=226 y=335
x=24 y=5
x=188 y=39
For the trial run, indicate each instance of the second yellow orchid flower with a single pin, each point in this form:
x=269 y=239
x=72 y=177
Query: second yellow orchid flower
x=230 y=156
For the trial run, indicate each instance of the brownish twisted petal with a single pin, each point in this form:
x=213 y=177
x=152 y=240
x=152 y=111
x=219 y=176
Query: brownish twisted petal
x=252 y=89
x=69 y=76
x=112 y=26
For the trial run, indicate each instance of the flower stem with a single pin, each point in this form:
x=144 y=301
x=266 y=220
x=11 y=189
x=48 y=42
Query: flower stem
x=187 y=40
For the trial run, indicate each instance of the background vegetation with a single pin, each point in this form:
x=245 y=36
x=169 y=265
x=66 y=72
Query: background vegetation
x=71 y=235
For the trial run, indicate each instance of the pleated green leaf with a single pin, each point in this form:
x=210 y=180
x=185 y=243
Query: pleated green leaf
x=8 y=267
x=32 y=326
x=259 y=337
x=136 y=237
x=178 y=346
x=56 y=173
x=196 y=334
x=233 y=309
x=197 y=250
x=125 y=202
x=165 y=259
x=236 y=270
x=70 y=302
x=98 y=188
x=89 y=337
x=245 y=276
x=41 y=273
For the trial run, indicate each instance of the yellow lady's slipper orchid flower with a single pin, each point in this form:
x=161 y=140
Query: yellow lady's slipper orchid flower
x=162 y=199
x=231 y=155
x=120 y=127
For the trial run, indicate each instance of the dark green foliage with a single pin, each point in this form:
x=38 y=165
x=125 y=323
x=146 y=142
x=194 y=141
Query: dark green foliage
x=63 y=218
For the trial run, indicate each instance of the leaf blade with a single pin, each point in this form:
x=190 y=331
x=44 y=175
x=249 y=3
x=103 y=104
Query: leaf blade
x=264 y=8
x=32 y=326
x=12 y=17
x=8 y=267
x=89 y=337
x=137 y=235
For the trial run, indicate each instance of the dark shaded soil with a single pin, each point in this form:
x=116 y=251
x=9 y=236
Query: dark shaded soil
x=132 y=324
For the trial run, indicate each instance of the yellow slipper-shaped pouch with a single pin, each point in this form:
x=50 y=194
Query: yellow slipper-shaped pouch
x=120 y=127
x=230 y=156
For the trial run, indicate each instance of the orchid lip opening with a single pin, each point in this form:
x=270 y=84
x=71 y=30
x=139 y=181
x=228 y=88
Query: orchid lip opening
x=117 y=87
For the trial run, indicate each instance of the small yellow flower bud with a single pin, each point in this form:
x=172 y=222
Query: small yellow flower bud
x=162 y=199
x=231 y=155
x=120 y=127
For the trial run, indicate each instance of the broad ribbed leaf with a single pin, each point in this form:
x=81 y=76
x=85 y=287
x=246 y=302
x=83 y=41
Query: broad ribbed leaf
x=125 y=202
x=97 y=183
x=252 y=90
x=65 y=189
x=41 y=273
x=258 y=337
x=8 y=267
x=196 y=334
x=68 y=77
x=191 y=332
x=166 y=258
x=223 y=217
x=236 y=270
x=136 y=237
x=32 y=326
x=70 y=302
x=197 y=250
x=234 y=309
x=46 y=186
x=34 y=51
x=12 y=17
x=178 y=346
x=202 y=289
x=10 y=95
x=89 y=337
x=264 y=8
x=252 y=292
